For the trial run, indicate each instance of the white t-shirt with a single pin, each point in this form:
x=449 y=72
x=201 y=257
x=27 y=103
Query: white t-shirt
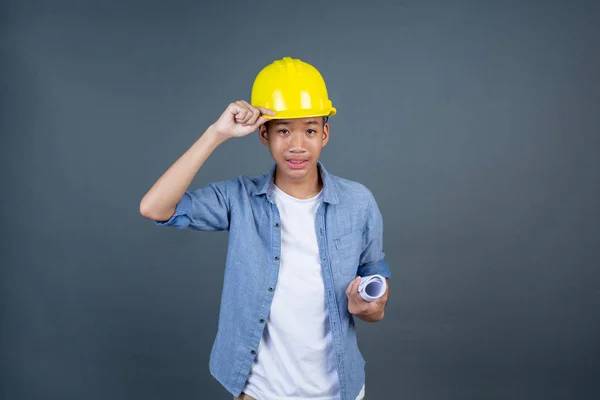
x=295 y=359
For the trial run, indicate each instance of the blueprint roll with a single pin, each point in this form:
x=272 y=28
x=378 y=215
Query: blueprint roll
x=372 y=287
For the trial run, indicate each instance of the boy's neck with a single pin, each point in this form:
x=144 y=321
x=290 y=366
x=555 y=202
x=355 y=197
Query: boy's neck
x=306 y=188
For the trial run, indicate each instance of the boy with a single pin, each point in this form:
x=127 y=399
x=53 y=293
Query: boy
x=298 y=238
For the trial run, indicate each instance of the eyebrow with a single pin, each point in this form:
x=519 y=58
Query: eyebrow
x=311 y=122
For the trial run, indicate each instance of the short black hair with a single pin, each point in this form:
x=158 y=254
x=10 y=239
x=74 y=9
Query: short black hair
x=325 y=119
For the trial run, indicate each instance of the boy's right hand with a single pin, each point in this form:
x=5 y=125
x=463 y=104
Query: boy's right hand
x=240 y=119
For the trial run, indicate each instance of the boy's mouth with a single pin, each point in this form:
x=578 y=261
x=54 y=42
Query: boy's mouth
x=297 y=163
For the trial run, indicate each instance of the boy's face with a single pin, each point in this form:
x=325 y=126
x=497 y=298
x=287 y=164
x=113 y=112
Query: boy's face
x=295 y=144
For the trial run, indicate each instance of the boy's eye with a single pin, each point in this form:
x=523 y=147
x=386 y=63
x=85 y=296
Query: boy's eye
x=285 y=131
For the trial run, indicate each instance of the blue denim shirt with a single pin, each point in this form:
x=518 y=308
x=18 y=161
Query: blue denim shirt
x=349 y=229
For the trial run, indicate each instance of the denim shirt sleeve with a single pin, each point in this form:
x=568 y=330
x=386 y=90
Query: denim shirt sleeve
x=204 y=209
x=371 y=258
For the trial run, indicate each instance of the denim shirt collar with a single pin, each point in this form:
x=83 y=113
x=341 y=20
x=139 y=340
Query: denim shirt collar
x=330 y=191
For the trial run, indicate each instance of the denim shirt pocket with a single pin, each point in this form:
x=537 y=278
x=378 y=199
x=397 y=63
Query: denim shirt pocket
x=347 y=253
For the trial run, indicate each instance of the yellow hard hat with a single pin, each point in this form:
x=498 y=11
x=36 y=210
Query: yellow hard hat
x=293 y=89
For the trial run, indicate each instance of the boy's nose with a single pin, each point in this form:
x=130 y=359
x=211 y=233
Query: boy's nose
x=296 y=141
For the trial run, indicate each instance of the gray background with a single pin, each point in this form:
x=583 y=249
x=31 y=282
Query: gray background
x=474 y=123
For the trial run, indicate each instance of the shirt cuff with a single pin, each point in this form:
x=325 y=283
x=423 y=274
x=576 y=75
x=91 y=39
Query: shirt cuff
x=180 y=218
x=380 y=267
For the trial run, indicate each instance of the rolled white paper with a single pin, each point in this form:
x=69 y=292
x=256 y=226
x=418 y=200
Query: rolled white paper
x=372 y=287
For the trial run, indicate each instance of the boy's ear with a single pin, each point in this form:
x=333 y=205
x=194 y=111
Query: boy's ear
x=325 y=134
x=263 y=134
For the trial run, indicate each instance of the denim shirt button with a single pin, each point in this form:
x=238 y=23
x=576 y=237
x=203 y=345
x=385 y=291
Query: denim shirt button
x=276 y=224
x=262 y=321
x=270 y=288
x=253 y=352
x=276 y=258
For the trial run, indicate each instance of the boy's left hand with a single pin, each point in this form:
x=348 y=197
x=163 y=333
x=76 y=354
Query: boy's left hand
x=367 y=311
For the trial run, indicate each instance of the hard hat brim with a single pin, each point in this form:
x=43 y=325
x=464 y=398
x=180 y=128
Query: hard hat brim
x=296 y=114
